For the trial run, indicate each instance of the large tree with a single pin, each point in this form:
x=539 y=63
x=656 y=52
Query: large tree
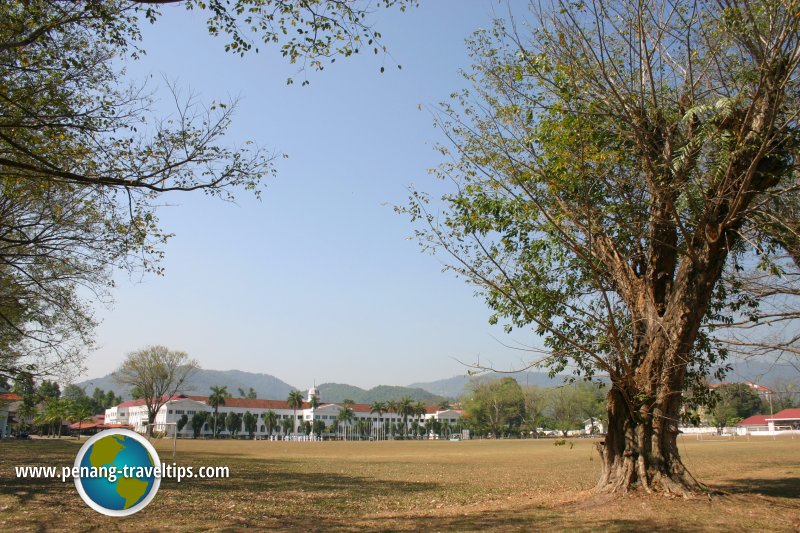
x=84 y=156
x=608 y=170
x=159 y=373
x=570 y=405
x=734 y=402
x=496 y=406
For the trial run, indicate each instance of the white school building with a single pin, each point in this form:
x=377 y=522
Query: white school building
x=134 y=414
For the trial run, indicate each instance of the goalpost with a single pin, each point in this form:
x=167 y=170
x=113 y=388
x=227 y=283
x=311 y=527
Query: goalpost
x=174 y=433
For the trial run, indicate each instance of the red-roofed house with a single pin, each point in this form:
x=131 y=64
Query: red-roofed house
x=785 y=419
x=752 y=422
x=89 y=426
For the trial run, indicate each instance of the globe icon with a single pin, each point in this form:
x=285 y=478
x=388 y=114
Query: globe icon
x=125 y=491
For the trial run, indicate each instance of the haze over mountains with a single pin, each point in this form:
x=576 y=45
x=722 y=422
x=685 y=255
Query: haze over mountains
x=270 y=387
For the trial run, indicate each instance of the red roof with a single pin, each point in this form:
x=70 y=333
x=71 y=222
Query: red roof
x=89 y=423
x=790 y=414
x=86 y=424
x=140 y=401
x=755 y=420
x=244 y=403
x=10 y=397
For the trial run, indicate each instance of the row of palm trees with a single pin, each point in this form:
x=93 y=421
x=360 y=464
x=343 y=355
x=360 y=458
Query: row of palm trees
x=405 y=407
x=55 y=412
x=295 y=400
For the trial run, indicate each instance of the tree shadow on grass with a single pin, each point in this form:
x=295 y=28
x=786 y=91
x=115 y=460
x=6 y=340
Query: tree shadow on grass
x=39 y=452
x=313 y=482
x=788 y=487
x=536 y=518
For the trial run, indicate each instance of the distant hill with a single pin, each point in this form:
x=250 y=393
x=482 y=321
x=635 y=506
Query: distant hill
x=767 y=373
x=763 y=372
x=269 y=387
x=338 y=392
x=454 y=387
x=265 y=385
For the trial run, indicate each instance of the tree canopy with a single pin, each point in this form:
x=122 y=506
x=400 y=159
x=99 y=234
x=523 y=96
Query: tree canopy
x=84 y=155
x=612 y=168
x=159 y=374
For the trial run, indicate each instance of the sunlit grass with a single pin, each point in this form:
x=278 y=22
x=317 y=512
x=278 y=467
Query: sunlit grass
x=432 y=485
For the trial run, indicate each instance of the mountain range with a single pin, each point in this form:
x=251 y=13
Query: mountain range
x=338 y=392
x=266 y=386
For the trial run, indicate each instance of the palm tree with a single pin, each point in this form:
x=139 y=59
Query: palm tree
x=295 y=401
x=286 y=424
x=405 y=408
x=271 y=421
x=391 y=407
x=78 y=412
x=378 y=407
x=429 y=426
x=346 y=414
x=54 y=413
x=421 y=410
x=217 y=398
x=314 y=404
x=444 y=405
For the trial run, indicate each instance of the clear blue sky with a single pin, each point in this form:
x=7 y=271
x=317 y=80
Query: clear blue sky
x=318 y=281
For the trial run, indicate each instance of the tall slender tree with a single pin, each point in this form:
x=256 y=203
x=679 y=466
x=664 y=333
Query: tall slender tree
x=295 y=401
x=217 y=398
x=391 y=407
x=378 y=407
x=270 y=421
x=314 y=404
x=405 y=408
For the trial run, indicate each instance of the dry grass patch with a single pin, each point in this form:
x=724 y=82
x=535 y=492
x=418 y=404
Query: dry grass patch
x=408 y=486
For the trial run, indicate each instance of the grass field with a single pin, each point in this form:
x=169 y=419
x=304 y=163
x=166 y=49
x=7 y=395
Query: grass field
x=412 y=486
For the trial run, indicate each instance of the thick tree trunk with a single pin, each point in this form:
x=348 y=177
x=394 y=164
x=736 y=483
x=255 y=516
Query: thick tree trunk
x=640 y=450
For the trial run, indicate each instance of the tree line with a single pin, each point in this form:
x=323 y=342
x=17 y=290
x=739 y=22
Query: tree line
x=45 y=407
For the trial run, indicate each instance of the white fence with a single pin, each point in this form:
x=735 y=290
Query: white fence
x=739 y=431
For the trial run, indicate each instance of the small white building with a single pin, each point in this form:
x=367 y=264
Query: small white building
x=593 y=426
